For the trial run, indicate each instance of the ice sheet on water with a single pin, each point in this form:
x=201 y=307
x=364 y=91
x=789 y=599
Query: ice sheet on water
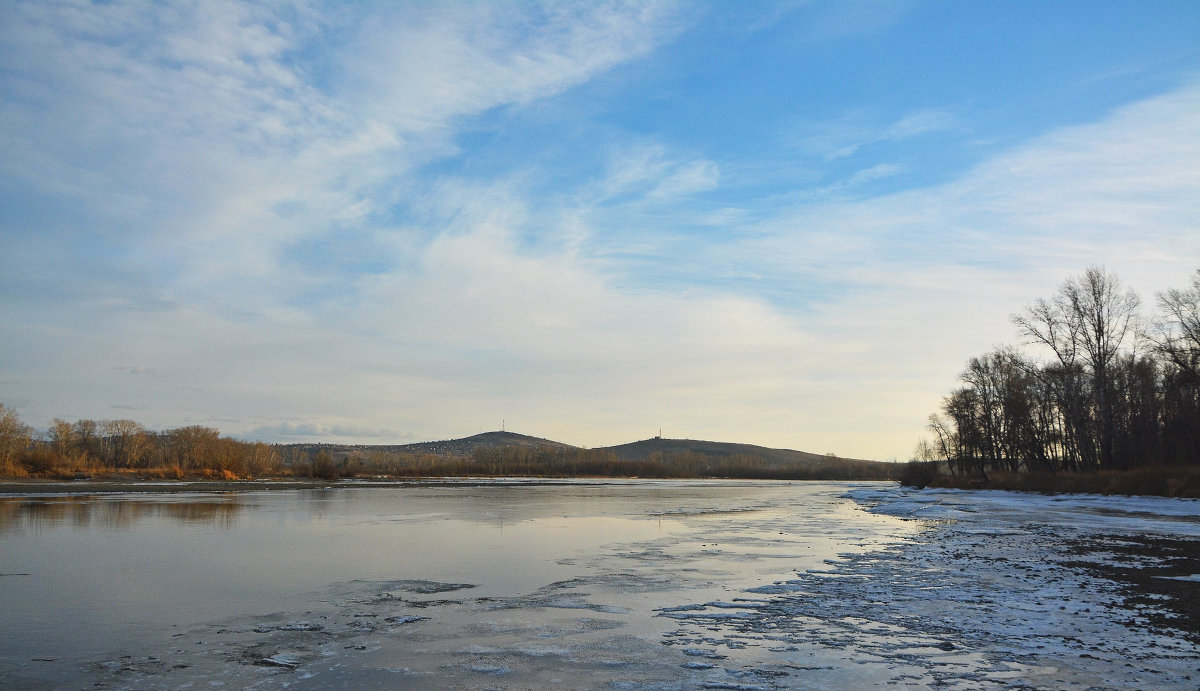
x=997 y=592
x=1193 y=578
x=404 y=619
x=702 y=652
x=1116 y=513
x=969 y=589
x=288 y=660
x=421 y=587
x=565 y=595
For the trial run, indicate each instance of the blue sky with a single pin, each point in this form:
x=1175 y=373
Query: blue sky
x=786 y=224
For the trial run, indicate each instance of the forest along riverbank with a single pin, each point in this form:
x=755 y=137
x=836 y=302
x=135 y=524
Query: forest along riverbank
x=1028 y=590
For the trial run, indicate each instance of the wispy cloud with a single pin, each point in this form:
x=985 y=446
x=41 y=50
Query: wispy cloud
x=918 y=123
x=281 y=219
x=185 y=128
x=924 y=279
x=311 y=432
x=846 y=135
x=693 y=178
x=648 y=171
x=195 y=144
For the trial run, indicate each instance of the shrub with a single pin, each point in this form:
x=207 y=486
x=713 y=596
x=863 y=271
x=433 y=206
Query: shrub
x=919 y=474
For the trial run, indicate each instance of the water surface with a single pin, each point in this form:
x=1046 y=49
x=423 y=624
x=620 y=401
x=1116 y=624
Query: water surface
x=91 y=581
x=641 y=584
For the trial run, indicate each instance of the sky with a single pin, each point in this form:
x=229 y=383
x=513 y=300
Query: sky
x=778 y=223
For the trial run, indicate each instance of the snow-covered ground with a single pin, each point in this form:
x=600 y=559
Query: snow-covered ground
x=655 y=585
x=1001 y=590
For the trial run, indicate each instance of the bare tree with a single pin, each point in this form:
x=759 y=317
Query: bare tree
x=1099 y=403
x=946 y=444
x=62 y=437
x=1176 y=334
x=87 y=437
x=261 y=458
x=192 y=446
x=14 y=440
x=127 y=442
x=1088 y=322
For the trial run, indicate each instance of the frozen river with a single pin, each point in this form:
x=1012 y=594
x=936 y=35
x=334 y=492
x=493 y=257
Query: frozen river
x=595 y=584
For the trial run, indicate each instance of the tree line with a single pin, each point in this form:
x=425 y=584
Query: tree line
x=124 y=447
x=1112 y=389
x=83 y=447
x=523 y=461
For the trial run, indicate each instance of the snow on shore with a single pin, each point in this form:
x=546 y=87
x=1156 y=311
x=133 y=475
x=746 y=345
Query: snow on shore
x=1002 y=590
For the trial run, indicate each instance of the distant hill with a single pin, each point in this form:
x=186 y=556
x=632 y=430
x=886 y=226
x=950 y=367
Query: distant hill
x=659 y=457
x=633 y=451
x=642 y=450
x=449 y=448
x=487 y=440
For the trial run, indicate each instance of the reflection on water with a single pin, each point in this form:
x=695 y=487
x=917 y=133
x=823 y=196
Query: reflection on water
x=18 y=515
x=84 y=576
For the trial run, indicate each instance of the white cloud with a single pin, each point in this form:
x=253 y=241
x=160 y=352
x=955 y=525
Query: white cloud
x=324 y=433
x=875 y=172
x=198 y=143
x=184 y=128
x=207 y=150
x=421 y=69
x=919 y=281
x=920 y=122
x=902 y=290
x=845 y=136
x=649 y=173
x=700 y=176
x=882 y=302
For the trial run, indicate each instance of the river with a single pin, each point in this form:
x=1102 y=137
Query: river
x=567 y=584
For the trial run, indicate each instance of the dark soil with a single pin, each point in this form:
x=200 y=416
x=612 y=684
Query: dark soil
x=1149 y=570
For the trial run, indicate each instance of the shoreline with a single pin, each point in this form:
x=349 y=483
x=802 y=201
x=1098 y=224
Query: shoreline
x=22 y=488
x=1171 y=482
x=1181 y=485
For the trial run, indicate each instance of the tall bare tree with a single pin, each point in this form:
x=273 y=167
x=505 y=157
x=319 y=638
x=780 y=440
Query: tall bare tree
x=1088 y=322
x=1100 y=402
x=62 y=437
x=127 y=442
x=87 y=437
x=193 y=446
x=1176 y=335
x=14 y=440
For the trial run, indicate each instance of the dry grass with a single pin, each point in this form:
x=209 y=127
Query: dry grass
x=1162 y=481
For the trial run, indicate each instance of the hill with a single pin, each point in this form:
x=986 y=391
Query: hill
x=487 y=440
x=633 y=451
x=506 y=453
x=449 y=448
x=642 y=450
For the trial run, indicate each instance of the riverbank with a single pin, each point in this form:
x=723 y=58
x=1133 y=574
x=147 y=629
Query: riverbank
x=1150 y=482
x=127 y=486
